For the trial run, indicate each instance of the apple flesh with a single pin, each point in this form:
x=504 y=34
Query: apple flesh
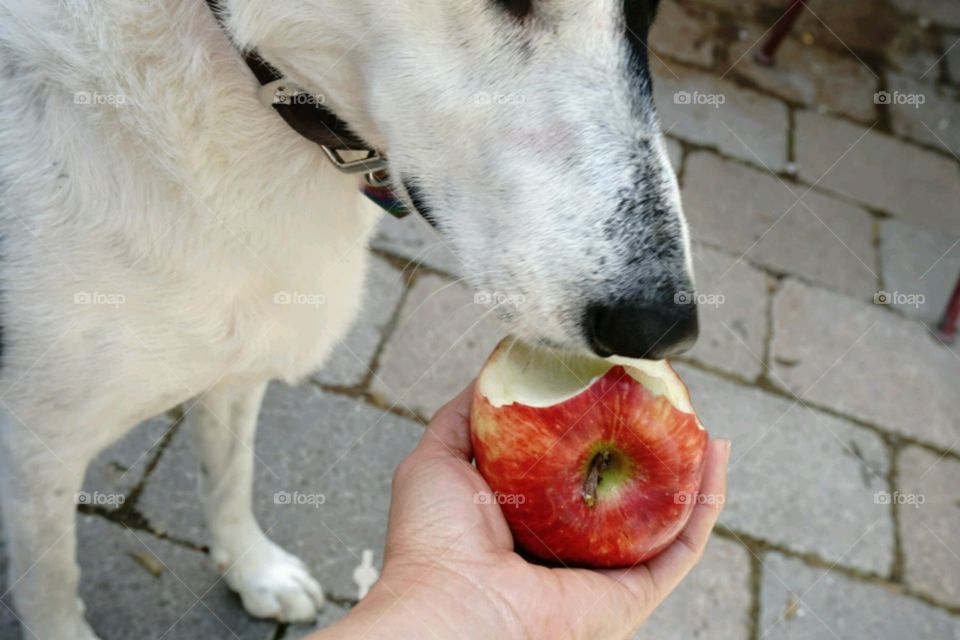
x=595 y=462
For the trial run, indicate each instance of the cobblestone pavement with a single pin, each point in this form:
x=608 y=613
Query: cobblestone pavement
x=810 y=188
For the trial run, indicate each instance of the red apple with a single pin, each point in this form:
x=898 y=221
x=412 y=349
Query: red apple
x=595 y=462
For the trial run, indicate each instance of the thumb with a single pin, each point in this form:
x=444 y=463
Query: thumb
x=448 y=433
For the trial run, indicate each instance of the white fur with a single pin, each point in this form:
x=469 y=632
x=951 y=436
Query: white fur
x=200 y=206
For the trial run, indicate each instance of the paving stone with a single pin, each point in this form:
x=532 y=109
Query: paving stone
x=309 y=444
x=9 y=624
x=808 y=74
x=935 y=122
x=442 y=339
x=350 y=362
x=862 y=360
x=912 y=51
x=330 y=614
x=753 y=213
x=798 y=477
x=845 y=27
x=747 y=125
x=945 y=12
x=919 y=262
x=951 y=45
x=414 y=239
x=119 y=468
x=712 y=602
x=683 y=32
x=675 y=151
x=185 y=601
x=879 y=170
x=928 y=531
x=733 y=313
x=799 y=602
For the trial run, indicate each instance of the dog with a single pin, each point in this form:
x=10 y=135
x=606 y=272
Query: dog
x=153 y=208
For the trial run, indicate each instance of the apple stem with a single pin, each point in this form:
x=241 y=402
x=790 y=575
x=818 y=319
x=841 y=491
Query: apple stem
x=598 y=464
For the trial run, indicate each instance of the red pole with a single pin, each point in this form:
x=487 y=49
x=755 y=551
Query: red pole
x=948 y=326
x=778 y=32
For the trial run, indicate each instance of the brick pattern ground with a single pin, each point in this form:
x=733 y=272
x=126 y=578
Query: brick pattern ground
x=809 y=195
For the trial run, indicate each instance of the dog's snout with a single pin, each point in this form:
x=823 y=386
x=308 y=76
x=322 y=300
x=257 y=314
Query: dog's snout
x=633 y=330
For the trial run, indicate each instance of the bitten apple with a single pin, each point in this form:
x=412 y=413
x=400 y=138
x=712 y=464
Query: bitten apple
x=596 y=462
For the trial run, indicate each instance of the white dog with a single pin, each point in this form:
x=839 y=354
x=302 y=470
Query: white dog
x=155 y=214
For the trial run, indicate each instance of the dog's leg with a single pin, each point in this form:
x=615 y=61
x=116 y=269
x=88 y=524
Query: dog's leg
x=39 y=490
x=271 y=582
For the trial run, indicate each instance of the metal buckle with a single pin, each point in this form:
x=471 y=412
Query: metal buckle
x=371 y=164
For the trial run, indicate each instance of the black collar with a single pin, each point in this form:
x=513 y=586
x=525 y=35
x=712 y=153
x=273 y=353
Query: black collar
x=314 y=121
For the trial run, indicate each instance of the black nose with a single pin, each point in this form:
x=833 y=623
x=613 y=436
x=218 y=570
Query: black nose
x=651 y=331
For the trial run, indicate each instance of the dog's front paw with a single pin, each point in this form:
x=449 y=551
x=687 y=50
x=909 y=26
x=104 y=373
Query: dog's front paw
x=272 y=583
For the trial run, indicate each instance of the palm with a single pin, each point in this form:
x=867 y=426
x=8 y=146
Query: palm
x=438 y=524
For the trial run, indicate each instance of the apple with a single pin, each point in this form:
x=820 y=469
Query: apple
x=594 y=462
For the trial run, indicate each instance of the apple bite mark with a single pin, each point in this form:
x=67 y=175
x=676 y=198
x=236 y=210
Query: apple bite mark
x=603 y=458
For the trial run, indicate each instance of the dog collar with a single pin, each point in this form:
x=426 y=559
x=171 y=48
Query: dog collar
x=305 y=114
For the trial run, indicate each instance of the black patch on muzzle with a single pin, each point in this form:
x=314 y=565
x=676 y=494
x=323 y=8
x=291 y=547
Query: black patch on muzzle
x=519 y=9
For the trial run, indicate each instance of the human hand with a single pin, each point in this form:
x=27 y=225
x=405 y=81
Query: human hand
x=450 y=569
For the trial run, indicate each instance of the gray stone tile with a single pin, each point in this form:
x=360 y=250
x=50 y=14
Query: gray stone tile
x=751 y=212
x=945 y=12
x=310 y=443
x=704 y=109
x=330 y=614
x=185 y=601
x=881 y=171
x=807 y=74
x=912 y=50
x=412 y=238
x=951 y=44
x=349 y=363
x=675 y=151
x=733 y=313
x=441 y=341
x=799 y=602
x=713 y=601
x=929 y=518
x=921 y=112
x=916 y=262
x=797 y=477
x=862 y=360
x=120 y=467
x=683 y=32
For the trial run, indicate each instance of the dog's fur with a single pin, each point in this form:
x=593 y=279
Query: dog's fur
x=143 y=245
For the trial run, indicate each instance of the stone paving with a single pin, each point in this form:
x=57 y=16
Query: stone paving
x=812 y=189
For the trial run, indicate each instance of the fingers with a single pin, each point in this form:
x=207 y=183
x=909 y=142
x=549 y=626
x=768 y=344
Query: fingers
x=449 y=431
x=669 y=568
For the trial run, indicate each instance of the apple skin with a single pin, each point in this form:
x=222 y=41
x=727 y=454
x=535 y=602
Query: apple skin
x=538 y=457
